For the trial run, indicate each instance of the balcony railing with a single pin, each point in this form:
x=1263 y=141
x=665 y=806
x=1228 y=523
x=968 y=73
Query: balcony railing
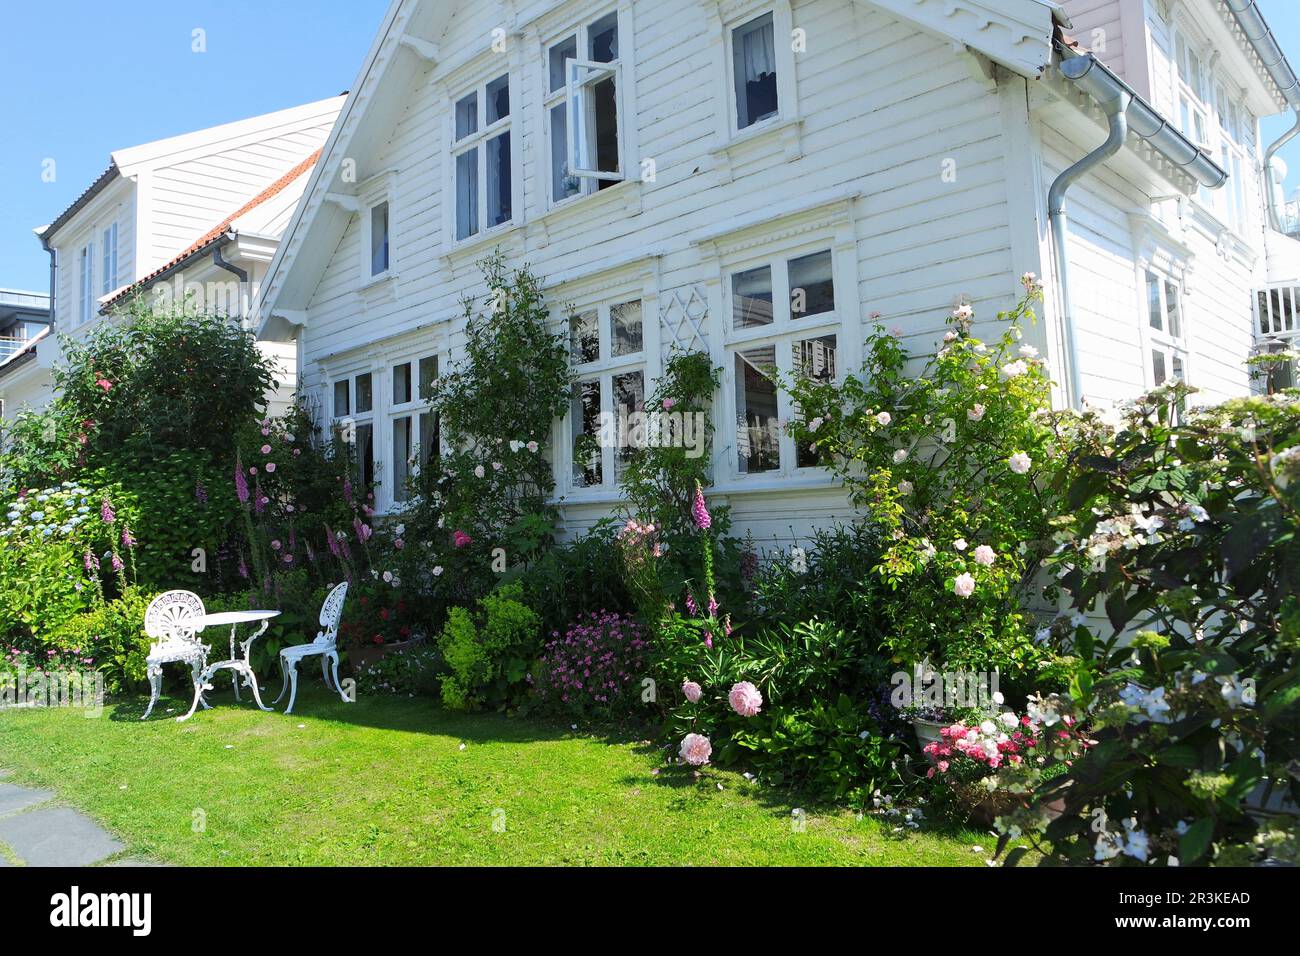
x=1277 y=312
x=10 y=346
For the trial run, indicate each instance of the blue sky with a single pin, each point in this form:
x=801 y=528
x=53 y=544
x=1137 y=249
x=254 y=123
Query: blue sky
x=85 y=77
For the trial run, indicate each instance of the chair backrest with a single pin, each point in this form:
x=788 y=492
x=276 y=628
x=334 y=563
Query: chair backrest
x=173 y=615
x=330 y=613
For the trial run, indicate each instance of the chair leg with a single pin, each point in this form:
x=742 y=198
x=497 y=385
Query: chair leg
x=324 y=670
x=155 y=683
x=198 y=695
x=284 y=681
x=196 y=670
x=293 y=684
x=337 y=685
x=234 y=679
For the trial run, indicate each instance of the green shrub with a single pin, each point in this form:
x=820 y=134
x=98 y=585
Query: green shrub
x=412 y=673
x=488 y=653
x=109 y=638
x=575 y=579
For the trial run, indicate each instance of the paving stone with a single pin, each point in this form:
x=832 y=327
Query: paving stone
x=16 y=798
x=57 y=836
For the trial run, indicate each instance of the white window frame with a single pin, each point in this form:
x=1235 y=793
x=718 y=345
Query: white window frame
x=412 y=410
x=1162 y=340
x=359 y=419
x=787 y=99
x=604 y=369
x=580 y=73
x=108 y=282
x=372 y=193
x=478 y=140
x=86 y=283
x=781 y=333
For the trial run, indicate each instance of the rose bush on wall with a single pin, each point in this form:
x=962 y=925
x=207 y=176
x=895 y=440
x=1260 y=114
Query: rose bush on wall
x=1187 y=531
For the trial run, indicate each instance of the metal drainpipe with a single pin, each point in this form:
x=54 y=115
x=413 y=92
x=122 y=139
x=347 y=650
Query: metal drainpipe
x=54 y=274
x=1274 y=217
x=221 y=263
x=1117 y=118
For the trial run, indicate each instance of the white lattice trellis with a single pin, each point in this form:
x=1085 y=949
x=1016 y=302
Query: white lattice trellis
x=683 y=313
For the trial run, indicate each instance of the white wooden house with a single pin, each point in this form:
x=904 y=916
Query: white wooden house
x=674 y=168
x=198 y=214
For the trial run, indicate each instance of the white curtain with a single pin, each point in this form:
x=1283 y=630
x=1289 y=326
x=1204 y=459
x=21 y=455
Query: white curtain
x=758 y=52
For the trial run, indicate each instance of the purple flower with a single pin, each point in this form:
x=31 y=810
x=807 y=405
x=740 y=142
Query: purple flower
x=106 y=512
x=241 y=483
x=128 y=540
x=200 y=493
x=117 y=562
x=713 y=605
x=692 y=608
x=699 y=512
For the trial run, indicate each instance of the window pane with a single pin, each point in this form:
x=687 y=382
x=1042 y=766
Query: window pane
x=342 y=405
x=379 y=239
x=815 y=359
x=429 y=437
x=498 y=99
x=605 y=107
x=562 y=184
x=751 y=298
x=753 y=54
x=365 y=398
x=625 y=327
x=428 y=375
x=401 y=456
x=1154 y=313
x=467 y=193
x=757 y=431
x=1158 y=366
x=812 y=285
x=365 y=449
x=498 y=179
x=584 y=413
x=1173 y=309
x=603 y=39
x=1177 y=362
x=564 y=50
x=584 y=337
x=402 y=383
x=629 y=397
x=467 y=116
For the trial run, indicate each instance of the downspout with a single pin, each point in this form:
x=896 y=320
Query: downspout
x=1116 y=110
x=222 y=263
x=54 y=275
x=1274 y=217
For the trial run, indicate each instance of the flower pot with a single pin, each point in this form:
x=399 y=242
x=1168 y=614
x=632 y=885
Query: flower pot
x=927 y=731
x=365 y=655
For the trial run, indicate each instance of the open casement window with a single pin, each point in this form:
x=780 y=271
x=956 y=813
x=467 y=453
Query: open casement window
x=607 y=354
x=413 y=428
x=783 y=321
x=481 y=159
x=1165 y=335
x=352 y=422
x=583 y=105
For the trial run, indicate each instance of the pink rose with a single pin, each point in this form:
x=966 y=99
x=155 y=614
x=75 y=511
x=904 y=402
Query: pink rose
x=693 y=691
x=745 y=699
x=963 y=585
x=984 y=555
x=696 y=749
x=266 y=449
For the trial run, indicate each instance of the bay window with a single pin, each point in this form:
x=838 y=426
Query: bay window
x=482 y=158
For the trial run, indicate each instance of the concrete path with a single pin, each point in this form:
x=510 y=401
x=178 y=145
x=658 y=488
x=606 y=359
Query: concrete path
x=36 y=831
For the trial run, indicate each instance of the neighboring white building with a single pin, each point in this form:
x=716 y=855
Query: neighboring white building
x=672 y=169
x=197 y=214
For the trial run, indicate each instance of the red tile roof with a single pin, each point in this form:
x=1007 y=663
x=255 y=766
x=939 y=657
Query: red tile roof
x=221 y=228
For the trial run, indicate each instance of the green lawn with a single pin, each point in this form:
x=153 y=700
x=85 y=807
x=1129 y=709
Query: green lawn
x=386 y=781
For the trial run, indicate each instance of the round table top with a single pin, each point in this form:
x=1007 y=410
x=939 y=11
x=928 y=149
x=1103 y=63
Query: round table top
x=235 y=617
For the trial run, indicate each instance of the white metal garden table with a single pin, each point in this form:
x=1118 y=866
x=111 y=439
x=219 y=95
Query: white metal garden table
x=238 y=662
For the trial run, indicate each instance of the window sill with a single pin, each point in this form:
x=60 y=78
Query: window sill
x=374 y=283
x=627 y=191
x=473 y=246
x=788 y=132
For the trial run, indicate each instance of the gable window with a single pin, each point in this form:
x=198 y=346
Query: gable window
x=753 y=60
x=583 y=107
x=481 y=158
x=607 y=354
x=1167 y=345
x=783 y=321
x=353 y=423
x=86 y=284
x=108 y=281
x=379 y=239
x=414 y=428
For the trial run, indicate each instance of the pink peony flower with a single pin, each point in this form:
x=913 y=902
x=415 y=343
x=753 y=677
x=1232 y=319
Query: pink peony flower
x=693 y=691
x=669 y=403
x=745 y=699
x=963 y=585
x=696 y=749
x=984 y=555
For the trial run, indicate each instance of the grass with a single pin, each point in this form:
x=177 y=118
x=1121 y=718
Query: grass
x=386 y=781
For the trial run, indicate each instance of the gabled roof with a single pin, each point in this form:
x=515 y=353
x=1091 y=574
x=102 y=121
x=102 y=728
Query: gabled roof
x=221 y=231
x=93 y=190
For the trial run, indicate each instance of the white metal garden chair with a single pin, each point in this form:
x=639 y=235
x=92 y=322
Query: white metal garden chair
x=325 y=645
x=172 y=622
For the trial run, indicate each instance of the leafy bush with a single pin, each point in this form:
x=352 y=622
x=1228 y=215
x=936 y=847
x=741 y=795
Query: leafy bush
x=412 y=673
x=1187 y=531
x=573 y=579
x=488 y=653
x=595 y=667
x=109 y=638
